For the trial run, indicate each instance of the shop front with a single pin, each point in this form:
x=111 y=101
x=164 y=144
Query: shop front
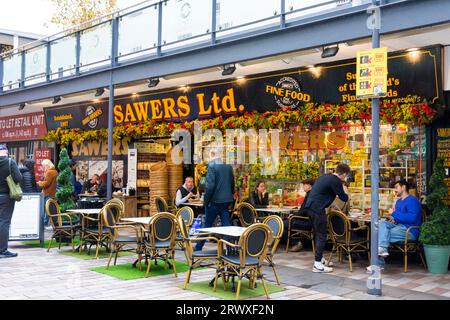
x=320 y=123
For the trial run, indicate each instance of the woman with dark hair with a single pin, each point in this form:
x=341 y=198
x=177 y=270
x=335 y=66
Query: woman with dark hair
x=28 y=183
x=259 y=198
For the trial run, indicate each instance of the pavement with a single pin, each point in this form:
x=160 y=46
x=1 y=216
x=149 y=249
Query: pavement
x=36 y=274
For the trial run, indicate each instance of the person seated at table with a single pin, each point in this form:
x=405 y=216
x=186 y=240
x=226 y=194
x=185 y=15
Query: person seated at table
x=187 y=191
x=259 y=198
x=91 y=186
x=407 y=213
x=300 y=224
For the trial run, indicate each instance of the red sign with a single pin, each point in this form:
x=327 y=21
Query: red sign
x=29 y=126
x=39 y=156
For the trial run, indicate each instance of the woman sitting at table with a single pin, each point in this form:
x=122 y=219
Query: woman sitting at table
x=259 y=198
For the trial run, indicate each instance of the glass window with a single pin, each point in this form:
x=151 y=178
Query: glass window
x=95 y=46
x=63 y=57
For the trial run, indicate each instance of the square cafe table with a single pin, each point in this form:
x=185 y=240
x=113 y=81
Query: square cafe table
x=138 y=220
x=231 y=231
x=283 y=211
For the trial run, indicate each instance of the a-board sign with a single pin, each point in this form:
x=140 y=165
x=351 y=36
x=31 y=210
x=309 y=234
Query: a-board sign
x=26 y=219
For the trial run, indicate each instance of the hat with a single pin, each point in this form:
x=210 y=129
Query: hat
x=3 y=147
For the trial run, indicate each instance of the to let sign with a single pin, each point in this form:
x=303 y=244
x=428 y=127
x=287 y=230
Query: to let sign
x=371 y=73
x=29 y=126
x=39 y=156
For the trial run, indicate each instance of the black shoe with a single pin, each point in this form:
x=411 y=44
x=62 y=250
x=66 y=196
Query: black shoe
x=7 y=254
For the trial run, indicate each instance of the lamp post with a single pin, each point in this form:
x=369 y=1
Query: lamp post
x=374 y=281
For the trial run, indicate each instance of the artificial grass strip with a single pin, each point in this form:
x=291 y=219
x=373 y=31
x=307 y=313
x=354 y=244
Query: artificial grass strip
x=102 y=254
x=128 y=272
x=246 y=293
x=55 y=244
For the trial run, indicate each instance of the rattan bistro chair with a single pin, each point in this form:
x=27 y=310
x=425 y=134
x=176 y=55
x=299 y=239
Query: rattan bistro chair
x=159 y=240
x=161 y=204
x=248 y=262
x=117 y=241
x=247 y=214
x=117 y=210
x=61 y=229
x=345 y=238
x=410 y=246
x=194 y=258
x=275 y=223
x=295 y=233
x=187 y=214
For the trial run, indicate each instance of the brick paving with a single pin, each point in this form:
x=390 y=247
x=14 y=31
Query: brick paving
x=36 y=274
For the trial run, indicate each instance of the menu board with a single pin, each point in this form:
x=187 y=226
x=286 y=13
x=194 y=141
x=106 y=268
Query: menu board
x=25 y=223
x=371 y=73
x=443 y=150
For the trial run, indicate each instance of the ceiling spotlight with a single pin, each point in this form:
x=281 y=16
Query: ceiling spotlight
x=56 y=99
x=329 y=52
x=100 y=92
x=22 y=106
x=153 y=82
x=228 y=69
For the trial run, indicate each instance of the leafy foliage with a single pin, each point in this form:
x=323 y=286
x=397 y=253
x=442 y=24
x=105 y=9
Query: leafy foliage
x=64 y=195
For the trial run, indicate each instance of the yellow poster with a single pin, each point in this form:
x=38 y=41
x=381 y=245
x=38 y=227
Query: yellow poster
x=371 y=73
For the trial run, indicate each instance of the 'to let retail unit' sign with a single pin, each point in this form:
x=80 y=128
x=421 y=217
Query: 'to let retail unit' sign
x=29 y=126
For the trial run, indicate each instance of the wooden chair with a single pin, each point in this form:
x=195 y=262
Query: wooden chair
x=187 y=214
x=159 y=240
x=61 y=228
x=410 y=246
x=118 y=213
x=247 y=214
x=344 y=237
x=194 y=258
x=161 y=204
x=275 y=223
x=294 y=233
x=251 y=253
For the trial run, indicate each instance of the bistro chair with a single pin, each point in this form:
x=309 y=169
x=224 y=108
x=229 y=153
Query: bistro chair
x=93 y=231
x=187 y=214
x=159 y=240
x=247 y=214
x=275 y=223
x=248 y=262
x=161 y=204
x=407 y=246
x=117 y=213
x=116 y=241
x=296 y=233
x=345 y=238
x=61 y=229
x=194 y=258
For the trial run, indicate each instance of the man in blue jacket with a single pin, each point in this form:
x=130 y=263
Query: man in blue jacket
x=219 y=192
x=407 y=213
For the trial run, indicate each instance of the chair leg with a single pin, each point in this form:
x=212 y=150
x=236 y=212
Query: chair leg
x=117 y=249
x=110 y=258
x=350 y=260
x=275 y=272
x=215 y=279
x=188 y=277
x=264 y=285
x=173 y=264
x=238 y=290
x=73 y=244
x=97 y=248
x=50 y=244
x=331 y=253
x=422 y=259
x=405 y=257
x=148 y=268
x=288 y=241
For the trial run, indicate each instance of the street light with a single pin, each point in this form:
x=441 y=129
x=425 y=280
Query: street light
x=56 y=99
x=328 y=52
x=153 y=82
x=100 y=92
x=228 y=69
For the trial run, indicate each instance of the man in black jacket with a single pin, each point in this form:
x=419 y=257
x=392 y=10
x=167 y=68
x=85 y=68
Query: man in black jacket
x=219 y=194
x=7 y=167
x=28 y=183
x=322 y=195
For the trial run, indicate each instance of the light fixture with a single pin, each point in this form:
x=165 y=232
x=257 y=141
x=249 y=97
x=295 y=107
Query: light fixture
x=329 y=52
x=228 y=69
x=100 y=92
x=56 y=99
x=22 y=106
x=153 y=82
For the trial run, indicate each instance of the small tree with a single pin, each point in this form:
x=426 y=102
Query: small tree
x=436 y=231
x=64 y=195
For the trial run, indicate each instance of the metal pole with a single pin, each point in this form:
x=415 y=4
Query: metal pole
x=374 y=281
x=1 y=75
x=160 y=16
x=214 y=22
x=283 y=14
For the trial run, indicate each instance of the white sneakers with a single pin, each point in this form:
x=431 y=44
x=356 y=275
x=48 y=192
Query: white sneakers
x=321 y=268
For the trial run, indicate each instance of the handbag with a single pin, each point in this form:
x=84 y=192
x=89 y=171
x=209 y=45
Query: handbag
x=15 y=191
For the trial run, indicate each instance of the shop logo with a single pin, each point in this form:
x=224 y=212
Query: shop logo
x=92 y=115
x=287 y=93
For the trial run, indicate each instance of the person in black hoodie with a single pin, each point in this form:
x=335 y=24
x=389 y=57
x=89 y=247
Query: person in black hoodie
x=7 y=167
x=28 y=183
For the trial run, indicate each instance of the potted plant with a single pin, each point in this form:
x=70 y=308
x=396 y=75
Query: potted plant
x=435 y=233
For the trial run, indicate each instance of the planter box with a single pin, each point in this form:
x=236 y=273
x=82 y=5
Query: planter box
x=437 y=258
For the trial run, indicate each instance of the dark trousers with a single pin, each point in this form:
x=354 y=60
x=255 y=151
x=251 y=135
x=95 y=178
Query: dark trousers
x=6 y=212
x=319 y=223
x=211 y=212
x=298 y=224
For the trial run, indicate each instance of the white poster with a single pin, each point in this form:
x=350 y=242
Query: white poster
x=25 y=220
x=132 y=168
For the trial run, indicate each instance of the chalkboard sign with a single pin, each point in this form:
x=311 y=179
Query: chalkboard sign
x=443 y=150
x=26 y=223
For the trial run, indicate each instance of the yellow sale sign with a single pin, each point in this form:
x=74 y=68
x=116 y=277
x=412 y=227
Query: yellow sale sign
x=371 y=73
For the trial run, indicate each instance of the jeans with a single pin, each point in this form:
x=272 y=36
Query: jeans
x=390 y=233
x=6 y=212
x=211 y=212
x=319 y=223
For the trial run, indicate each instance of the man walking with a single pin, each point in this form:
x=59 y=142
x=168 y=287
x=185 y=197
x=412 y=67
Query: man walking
x=219 y=193
x=7 y=167
x=322 y=195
